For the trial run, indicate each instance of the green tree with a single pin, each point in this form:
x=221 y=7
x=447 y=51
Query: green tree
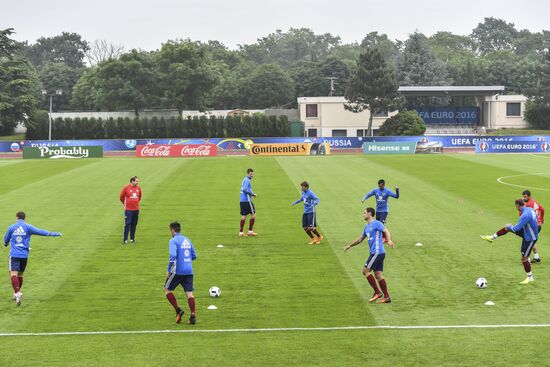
x=66 y=48
x=268 y=86
x=418 y=64
x=388 y=48
x=85 y=94
x=19 y=86
x=494 y=34
x=373 y=86
x=54 y=76
x=126 y=83
x=309 y=80
x=332 y=67
x=186 y=73
x=404 y=123
x=537 y=112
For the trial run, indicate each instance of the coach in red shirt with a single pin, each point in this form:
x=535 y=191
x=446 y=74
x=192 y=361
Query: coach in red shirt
x=130 y=197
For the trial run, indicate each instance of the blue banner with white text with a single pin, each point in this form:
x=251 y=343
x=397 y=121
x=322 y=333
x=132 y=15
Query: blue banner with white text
x=449 y=115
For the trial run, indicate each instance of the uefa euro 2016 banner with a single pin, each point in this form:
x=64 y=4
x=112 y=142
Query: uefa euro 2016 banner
x=181 y=150
x=242 y=145
x=61 y=152
x=449 y=115
x=536 y=146
x=290 y=149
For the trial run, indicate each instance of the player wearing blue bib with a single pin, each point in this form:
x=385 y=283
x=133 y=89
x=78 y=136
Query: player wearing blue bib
x=528 y=229
x=373 y=233
x=309 y=218
x=180 y=271
x=18 y=236
x=247 y=206
x=382 y=194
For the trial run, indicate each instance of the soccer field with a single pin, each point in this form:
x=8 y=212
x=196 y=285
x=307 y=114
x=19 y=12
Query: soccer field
x=283 y=302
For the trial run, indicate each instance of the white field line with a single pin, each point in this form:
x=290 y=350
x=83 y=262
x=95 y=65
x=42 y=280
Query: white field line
x=257 y=330
x=540 y=156
x=501 y=180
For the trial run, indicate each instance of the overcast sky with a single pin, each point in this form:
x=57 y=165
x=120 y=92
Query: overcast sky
x=147 y=24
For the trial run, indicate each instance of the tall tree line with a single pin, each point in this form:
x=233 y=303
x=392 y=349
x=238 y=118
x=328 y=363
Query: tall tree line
x=184 y=74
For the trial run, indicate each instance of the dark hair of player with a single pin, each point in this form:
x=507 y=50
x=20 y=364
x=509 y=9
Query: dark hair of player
x=304 y=184
x=175 y=226
x=381 y=182
x=520 y=202
x=20 y=215
x=249 y=170
x=371 y=211
x=526 y=192
x=133 y=178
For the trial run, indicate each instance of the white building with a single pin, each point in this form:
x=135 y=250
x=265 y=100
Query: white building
x=327 y=117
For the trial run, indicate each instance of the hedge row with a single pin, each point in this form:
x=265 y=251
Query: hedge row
x=127 y=128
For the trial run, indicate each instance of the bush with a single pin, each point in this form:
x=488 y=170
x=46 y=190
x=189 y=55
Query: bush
x=537 y=115
x=404 y=123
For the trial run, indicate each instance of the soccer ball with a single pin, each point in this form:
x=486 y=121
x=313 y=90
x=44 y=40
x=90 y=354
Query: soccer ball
x=214 y=292
x=481 y=283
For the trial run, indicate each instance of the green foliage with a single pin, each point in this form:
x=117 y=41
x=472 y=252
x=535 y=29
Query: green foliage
x=66 y=48
x=403 y=123
x=537 y=112
x=54 y=76
x=372 y=86
x=256 y=125
x=494 y=35
x=267 y=86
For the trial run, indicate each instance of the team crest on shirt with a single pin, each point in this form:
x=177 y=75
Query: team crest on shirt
x=19 y=239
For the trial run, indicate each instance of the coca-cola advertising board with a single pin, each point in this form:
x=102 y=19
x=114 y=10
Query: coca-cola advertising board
x=176 y=150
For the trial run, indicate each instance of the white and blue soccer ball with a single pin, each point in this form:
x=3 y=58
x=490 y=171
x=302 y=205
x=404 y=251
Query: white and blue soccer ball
x=481 y=283
x=214 y=292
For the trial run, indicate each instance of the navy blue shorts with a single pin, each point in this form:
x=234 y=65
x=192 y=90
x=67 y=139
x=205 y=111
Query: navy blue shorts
x=375 y=262
x=309 y=220
x=526 y=247
x=174 y=280
x=381 y=217
x=247 y=207
x=18 y=264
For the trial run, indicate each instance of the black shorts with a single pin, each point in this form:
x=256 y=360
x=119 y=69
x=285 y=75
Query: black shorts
x=247 y=207
x=18 y=264
x=375 y=262
x=174 y=280
x=526 y=247
x=309 y=220
x=381 y=216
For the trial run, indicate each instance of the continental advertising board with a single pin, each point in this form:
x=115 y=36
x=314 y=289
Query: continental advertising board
x=64 y=152
x=290 y=149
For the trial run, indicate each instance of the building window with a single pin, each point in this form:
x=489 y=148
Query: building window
x=361 y=132
x=311 y=110
x=312 y=133
x=513 y=109
x=339 y=133
x=379 y=113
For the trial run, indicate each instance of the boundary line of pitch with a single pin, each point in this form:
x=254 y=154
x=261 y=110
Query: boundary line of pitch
x=258 y=330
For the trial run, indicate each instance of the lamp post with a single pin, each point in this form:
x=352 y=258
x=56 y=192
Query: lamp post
x=57 y=92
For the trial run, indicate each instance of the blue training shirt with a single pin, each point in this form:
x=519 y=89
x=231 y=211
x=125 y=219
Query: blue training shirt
x=246 y=190
x=382 y=197
x=373 y=233
x=527 y=222
x=19 y=235
x=182 y=254
x=310 y=201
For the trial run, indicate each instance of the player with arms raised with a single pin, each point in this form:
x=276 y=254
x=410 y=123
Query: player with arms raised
x=375 y=263
x=382 y=194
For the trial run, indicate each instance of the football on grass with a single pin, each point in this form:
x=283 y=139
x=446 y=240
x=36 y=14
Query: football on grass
x=214 y=292
x=481 y=282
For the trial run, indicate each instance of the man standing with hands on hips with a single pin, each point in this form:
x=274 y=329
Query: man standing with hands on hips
x=130 y=196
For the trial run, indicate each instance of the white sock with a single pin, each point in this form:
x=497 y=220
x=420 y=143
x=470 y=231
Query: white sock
x=536 y=256
x=529 y=275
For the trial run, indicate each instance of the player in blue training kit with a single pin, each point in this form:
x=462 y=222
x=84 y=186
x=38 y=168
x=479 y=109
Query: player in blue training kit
x=180 y=271
x=18 y=236
x=382 y=194
x=309 y=218
x=373 y=233
x=527 y=228
x=247 y=206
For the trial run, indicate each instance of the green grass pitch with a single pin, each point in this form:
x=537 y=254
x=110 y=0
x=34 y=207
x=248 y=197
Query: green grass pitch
x=88 y=281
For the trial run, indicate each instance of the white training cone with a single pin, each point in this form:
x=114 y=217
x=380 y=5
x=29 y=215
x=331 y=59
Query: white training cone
x=220 y=245
x=489 y=303
x=212 y=307
x=418 y=244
